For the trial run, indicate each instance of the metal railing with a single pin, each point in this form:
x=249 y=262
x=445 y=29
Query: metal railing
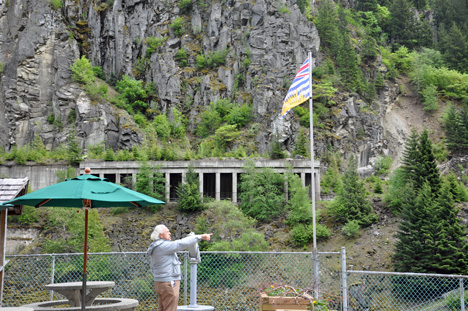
x=233 y=280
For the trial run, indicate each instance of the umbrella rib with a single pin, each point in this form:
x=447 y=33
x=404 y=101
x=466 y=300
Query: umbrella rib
x=42 y=203
x=136 y=204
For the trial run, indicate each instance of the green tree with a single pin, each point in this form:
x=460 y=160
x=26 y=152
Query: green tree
x=415 y=247
x=150 y=181
x=262 y=193
x=276 y=151
x=366 y=5
x=402 y=25
x=454 y=47
x=326 y=22
x=351 y=202
x=451 y=256
x=73 y=149
x=299 y=203
x=301 y=145
x=189 y=197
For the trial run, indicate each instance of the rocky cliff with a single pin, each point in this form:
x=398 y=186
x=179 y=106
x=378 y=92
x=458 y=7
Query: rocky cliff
x=266 y=41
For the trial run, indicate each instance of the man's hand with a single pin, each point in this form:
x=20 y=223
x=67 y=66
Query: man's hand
x=206 y=236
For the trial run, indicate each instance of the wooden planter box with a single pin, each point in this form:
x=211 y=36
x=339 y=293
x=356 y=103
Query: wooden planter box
x=268 y=303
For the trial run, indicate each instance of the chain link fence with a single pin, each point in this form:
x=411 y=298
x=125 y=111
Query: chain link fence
x=233 y=280
x=226 y=280
x=369 y=290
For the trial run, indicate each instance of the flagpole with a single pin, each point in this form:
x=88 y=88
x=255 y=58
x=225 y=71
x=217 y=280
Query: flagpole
x=312 y=164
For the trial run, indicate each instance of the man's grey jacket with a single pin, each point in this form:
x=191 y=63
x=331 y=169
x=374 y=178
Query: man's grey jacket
x=164 y=262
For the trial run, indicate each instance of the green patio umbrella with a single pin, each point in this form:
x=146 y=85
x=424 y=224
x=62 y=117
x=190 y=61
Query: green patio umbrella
x=87 y=191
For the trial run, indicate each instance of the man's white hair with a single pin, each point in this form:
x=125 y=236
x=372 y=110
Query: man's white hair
x=159 y=229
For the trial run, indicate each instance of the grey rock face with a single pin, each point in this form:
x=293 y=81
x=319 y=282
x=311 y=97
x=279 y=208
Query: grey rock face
x=266 y=44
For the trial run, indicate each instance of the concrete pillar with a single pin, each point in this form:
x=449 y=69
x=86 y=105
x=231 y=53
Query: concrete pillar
x=117 y=179
x=234 y=187
x=200 y=179
x=317 y=186
x=218 y=186
x=303 y=178
x=168 y=186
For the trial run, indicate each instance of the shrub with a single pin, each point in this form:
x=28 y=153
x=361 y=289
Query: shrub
x=176 y=26
x=153 y=43
x=351 y=229
x=56 y=4
x=185 y=6
x=181 y=57
x=82 y=71
x=303 y=234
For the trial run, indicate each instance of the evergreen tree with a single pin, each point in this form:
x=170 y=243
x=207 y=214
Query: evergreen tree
x=411 y=156
x=301 y=145
x=276 y=151
x=456 y=130
x=401 y=25
x=417 y=232
x=419 y=4
x=262 y=193
x=351 y=202
x=451 y=256
x=428 y=170
x=189 y=197
x=454 y=47
x=326 y=22
x=150 y=181
x=347 y=60
x=419 y=163
x=366 y=5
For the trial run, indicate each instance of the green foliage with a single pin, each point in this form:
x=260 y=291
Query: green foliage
x=211 y=60
x=153 y=44
x=132 y=95
x=151 y=181
x=73 y=226
x=177 y=26
x=181 y=57
x=456 y=129
x=109 y=155
x=351 y=202
x=430 y=100
x=119 y=210
x=382 y=165
x=188 y=194
x=63 y=175
x=73 y=149
x=82 y=71
x=56 y=4
x=430 y=238
x=276 y=150
x=28 y=216
x=261 y=195
x=300 y=148
x=185 y=6
x=303 y=234
x=299 y=203
x=453 y=300
x=332 y=177
x=351 y=229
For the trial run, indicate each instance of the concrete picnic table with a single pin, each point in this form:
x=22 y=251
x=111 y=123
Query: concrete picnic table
x=73 y=290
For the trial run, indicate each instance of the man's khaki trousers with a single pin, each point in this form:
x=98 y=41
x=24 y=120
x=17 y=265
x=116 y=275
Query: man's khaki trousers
x=168 y=295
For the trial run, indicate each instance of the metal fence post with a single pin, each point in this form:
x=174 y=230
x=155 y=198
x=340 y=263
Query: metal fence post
x=185 y=283
x=344 y=277
x=52 y=277
x=462 y=295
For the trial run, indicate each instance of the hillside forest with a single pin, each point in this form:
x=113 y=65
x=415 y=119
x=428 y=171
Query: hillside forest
x=364 y=48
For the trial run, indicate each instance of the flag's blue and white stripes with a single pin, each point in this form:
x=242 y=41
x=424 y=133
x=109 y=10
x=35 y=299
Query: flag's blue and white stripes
x=299 y=91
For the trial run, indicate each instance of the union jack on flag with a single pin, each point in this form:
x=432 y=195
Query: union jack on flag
x=299 y=91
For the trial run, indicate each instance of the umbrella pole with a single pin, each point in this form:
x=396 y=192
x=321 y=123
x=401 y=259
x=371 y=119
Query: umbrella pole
x=85 y=257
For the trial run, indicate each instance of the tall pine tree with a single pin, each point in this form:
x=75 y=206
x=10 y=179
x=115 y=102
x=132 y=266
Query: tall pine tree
x=351 y=202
